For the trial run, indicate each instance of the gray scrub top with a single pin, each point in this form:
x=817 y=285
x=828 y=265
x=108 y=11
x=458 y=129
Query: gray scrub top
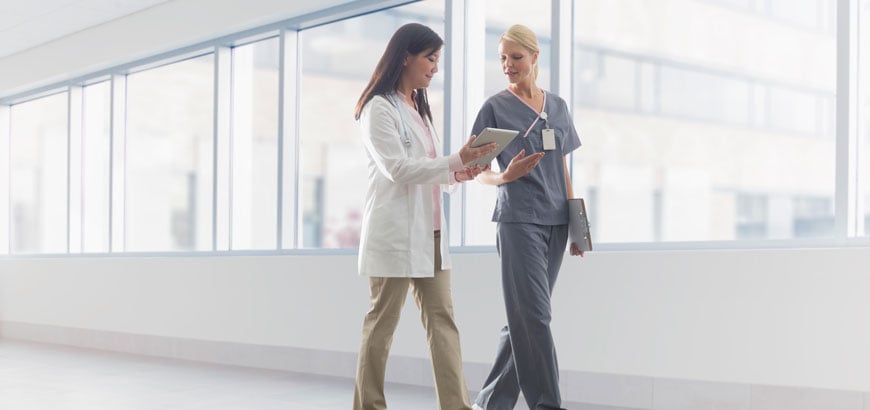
x=541 y=196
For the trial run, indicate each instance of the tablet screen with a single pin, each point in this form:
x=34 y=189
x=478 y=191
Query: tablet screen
x=497 y=135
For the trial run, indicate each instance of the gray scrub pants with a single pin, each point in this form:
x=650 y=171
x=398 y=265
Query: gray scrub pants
x=526 y=360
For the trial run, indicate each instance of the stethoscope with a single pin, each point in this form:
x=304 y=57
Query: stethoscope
x=405 y=138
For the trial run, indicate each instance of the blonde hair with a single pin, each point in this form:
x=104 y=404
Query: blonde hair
x=525 y=37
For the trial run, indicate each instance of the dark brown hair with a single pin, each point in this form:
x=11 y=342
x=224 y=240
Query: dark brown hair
x=412 y=38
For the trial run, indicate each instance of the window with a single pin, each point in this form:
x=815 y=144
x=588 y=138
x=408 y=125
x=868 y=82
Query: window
x=812 y=14
x=334 y=162
x=711 y=121
x=752 y=216
x=809 y=14
x=39 y=175
x=794 y=111
x=169 y=157
x=813 y=216
x=704 y=96
x=606 y=80
x=255 y=146
x=95 y=167
x=703 y=110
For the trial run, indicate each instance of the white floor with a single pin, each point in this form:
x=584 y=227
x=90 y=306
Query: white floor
x=39 y=376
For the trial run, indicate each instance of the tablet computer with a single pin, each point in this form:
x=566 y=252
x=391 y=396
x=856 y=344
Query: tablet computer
x=497 y=135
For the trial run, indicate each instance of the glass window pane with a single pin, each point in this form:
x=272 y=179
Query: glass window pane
x=606 y=80
x=39 y=175
x=734 y=3
x=334 y=163
x=500 y=15
x=170 y=157
x=751 y=216
x=732 y=136
x=807 y=14
x=812 y=216
x=95 y=178
x=693 y=94
x=255 y=145
x=801 y=12
x=794 y=111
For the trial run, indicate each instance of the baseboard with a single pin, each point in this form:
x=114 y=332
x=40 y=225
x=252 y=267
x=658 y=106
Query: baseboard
x=585 y=390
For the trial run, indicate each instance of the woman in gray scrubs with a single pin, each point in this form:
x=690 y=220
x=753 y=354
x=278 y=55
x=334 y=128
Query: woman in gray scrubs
x=532 y=214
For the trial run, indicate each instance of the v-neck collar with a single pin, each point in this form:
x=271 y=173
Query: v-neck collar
x=543 y=106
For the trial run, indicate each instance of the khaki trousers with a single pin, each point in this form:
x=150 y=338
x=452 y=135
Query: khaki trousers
x=433 y=297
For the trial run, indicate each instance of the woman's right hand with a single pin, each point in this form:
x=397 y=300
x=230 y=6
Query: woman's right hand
x=521 y=165
x=468 y=153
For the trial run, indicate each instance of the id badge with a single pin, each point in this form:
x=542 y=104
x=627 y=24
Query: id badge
x=549 y=137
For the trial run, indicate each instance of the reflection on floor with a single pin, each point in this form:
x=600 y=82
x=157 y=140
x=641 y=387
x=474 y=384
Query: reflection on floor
x=40 y=376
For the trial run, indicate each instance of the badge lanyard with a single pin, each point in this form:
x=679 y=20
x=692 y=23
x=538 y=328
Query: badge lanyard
x=541 y=116
x=547 y=134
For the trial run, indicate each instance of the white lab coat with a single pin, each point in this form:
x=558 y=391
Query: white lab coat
x=397 y=229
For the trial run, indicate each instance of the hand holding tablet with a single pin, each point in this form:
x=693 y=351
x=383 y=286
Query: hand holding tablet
x=489 y=135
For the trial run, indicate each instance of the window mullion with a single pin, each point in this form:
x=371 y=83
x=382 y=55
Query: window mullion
x=455 y=122
x=289 y=172
x=118 y=165
x=846 y=196
x=74 y=169
x=222 y=166
x=562 y=55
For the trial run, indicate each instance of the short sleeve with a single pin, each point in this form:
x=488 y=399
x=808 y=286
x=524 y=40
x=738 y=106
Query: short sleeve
x=572 y=140
x=485 y=118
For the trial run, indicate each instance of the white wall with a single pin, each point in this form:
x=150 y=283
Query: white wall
x=780 y=317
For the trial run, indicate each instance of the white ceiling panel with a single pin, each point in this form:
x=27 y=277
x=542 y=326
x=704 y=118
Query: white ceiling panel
x=28 y=23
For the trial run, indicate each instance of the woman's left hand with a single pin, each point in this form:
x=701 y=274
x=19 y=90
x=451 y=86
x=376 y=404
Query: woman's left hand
x=469 y=173
x=575 y=250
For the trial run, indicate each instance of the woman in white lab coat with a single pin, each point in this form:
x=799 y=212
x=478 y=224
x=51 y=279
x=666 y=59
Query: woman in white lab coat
x=403 y=221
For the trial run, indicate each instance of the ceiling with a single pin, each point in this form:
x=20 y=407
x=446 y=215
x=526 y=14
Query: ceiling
x=28 y=23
